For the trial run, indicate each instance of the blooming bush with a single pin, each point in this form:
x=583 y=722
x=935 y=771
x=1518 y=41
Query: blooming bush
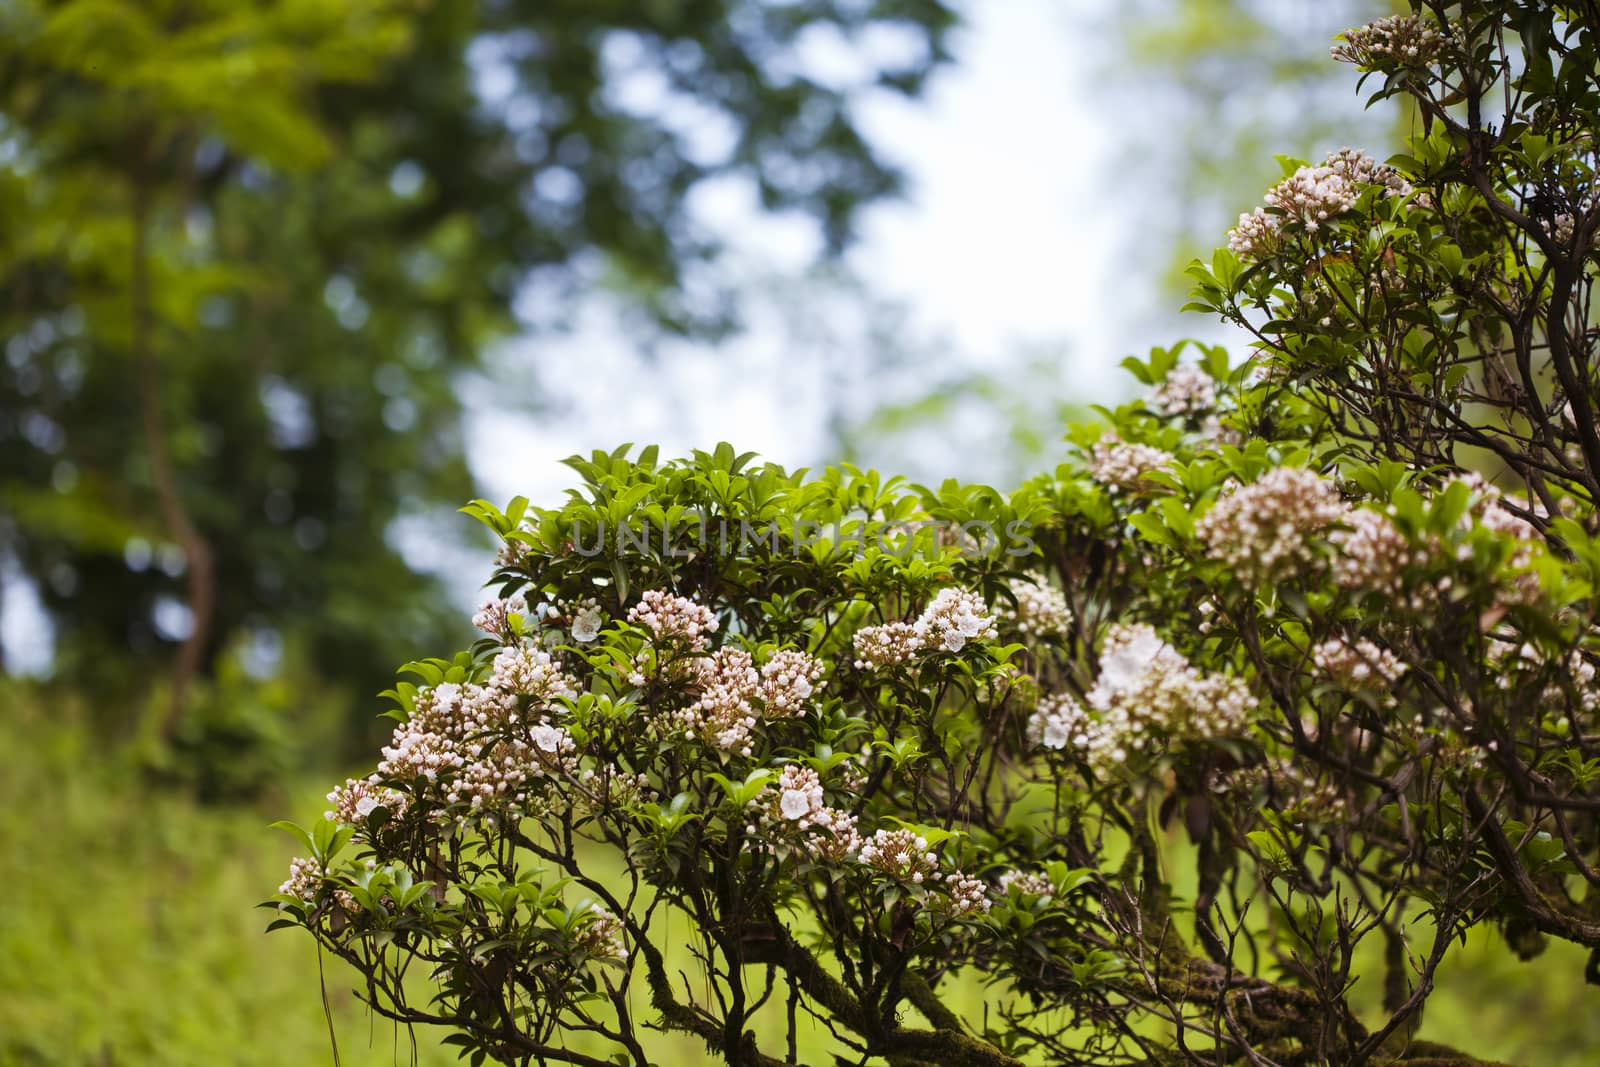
x=1260 y=699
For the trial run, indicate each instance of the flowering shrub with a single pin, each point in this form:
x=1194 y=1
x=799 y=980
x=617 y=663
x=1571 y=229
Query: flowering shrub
x=1261 y=693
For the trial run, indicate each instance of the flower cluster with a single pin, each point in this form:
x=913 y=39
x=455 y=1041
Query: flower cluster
x=1360 y=664
x=722 y=716
x=305 y=878
x=886 y=646
x=1271 y=527
x=1309 y=198
x=586 y=621
x=900 y=854
x=1130 y=656
x=1523 y=587
x=1257 y=235
x=531 y=673
x=1392 y=41
x=493 y=616
x=788 y=681
x=952 y=618
x=358 y=798
x=1187 y=390
x=1357 y=166
x=483 y=746
x=1041 y=611
x=1561 y=228
x=673 y=620
x=1312 y=195
x=1058 y=722
x=1373 y=555
x=1027 y=883
x=601 y=937
x=905 y=856
x=733 y=696
x=1503 y=521
x=800 y=808
x=458 y=711
x=964 y=896
x=1146 y=693
x=419 y=756
x=1580 y=672
x=1583 y=674
x=501 y=773
x=1120 y=465
x=1482 y=489
x=799 y=793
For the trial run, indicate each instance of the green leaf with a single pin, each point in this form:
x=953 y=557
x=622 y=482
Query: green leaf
x=516 y=509
x=299 y=832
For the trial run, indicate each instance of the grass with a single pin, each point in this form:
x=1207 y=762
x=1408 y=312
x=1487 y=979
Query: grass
x=128 y=935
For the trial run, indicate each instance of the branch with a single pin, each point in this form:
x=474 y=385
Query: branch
x=200 y=583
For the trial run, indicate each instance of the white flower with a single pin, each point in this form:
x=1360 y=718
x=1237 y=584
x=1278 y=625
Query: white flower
x=1391 y=42
x=523 y=671
x=788 y=681
x=1309 y=197
x=1119 y=465
x=358 y=798
x=1148 y=694
x=1360 y=663
x=494 y=615
x=1041 y=610
x=586 y=627
x=1057 y=722
x=1187 y=390
x=1028 y=883
x=794 y=804
x=549 y=738
x=1125 y=661
x=673 y=620
x=1056 y=734
x=954 y=617
x=1272 y=528
x=886 y=646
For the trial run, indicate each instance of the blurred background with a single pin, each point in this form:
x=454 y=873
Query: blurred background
x=285 y=282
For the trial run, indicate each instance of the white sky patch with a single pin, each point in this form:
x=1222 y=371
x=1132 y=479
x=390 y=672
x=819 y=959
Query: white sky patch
x=1006 y=235
x=26 y=634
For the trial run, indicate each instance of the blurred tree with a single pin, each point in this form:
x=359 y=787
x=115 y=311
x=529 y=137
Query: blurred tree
x=247 y=250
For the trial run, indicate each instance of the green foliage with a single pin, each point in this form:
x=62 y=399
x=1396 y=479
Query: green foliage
x=249 y=252
x=127 y=936
x=866 y=740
